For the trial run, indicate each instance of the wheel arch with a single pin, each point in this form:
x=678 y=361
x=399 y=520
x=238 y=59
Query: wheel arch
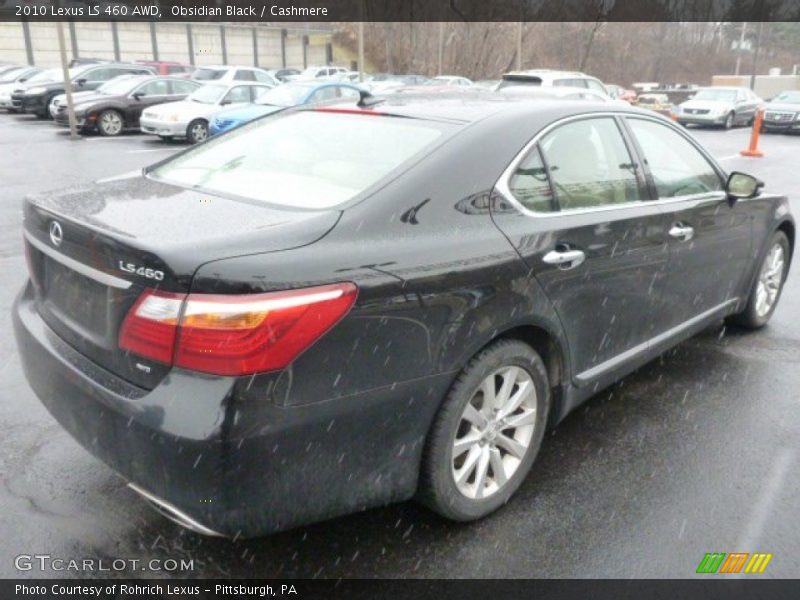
x=787 y=227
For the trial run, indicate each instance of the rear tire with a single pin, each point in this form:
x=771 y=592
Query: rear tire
x=768 y=285
x=476 y=456
x=197 y=131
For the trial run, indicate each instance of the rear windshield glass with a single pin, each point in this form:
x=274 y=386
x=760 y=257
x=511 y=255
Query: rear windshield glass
x=307 y=159
x=511 y=81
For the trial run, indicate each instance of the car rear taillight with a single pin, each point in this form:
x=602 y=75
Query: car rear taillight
x=233 y=334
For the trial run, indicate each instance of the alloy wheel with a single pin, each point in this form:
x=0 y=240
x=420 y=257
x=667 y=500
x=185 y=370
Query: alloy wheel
x=111 y=123
x=494 y=433
x=199 y=132
x=770 y=280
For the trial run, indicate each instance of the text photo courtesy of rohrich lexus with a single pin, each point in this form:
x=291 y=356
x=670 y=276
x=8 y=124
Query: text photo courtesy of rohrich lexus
x=477 y=291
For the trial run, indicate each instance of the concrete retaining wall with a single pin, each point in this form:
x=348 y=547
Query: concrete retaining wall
x=135 y=41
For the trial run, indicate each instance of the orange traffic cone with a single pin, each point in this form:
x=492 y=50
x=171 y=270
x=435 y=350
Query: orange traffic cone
x=753 y=149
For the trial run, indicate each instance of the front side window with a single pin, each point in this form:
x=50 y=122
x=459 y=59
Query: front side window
x=240 y=93
x=590 y=165
x=159 y=87
x=678 y=168
x=208 y=74
x=308 y=159
x=183 y=87
x=529 y=184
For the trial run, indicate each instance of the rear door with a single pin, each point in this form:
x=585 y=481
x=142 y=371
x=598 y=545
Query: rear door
x=592 y=237
x=709 y=237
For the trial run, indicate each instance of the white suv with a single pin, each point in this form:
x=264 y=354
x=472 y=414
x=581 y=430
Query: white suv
x=321 y=73
x=229 y=74
x=551 y=78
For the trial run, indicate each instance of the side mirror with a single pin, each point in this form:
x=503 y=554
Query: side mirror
x=81 y=82
x=139 y=95
x=742 y=185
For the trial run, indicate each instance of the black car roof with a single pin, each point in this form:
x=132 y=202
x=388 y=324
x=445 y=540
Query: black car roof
x=470 y=107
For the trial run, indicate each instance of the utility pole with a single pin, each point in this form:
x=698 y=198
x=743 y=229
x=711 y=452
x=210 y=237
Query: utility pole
x=361 y=51
x=519 y=46
x=62 y=47
x=755 y=55
x=441 y=46
x=739 y=49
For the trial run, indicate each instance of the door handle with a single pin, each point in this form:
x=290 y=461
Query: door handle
x=568 y=259
x=682 y=232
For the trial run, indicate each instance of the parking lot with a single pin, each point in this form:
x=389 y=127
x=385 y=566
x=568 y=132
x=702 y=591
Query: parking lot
x=697 y=452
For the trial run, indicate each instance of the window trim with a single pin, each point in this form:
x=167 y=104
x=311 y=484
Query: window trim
x=504 y=190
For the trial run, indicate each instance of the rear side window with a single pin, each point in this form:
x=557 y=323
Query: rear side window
x=307 y=159
x=589 y=164
x=678 y=168
x=529 y=184
x=208 y=74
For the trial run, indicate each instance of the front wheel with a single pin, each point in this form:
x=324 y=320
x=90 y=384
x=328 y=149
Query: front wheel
x=197 y=131
x=768 y=285
x=110 y=123
x=487 y=433
x=729 y=121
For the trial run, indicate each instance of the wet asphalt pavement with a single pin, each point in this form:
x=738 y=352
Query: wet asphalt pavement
x=697 y=452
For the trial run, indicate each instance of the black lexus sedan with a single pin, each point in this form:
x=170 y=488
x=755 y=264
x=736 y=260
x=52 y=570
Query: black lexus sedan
x=35 y=99
x=333 y=308
x=118 y=105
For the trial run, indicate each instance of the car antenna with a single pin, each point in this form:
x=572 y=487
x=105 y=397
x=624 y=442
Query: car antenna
x=365 y=99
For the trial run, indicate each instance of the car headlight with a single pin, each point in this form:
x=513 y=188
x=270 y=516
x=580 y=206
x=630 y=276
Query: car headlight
x=35 y=91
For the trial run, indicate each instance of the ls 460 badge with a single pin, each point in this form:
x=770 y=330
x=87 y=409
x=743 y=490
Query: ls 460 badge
x=141 y=271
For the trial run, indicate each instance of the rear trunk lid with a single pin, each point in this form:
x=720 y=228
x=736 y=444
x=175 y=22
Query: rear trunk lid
x=93 y=249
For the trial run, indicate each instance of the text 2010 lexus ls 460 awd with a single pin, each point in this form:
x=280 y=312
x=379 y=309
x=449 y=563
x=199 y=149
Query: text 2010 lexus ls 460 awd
x=338 y=307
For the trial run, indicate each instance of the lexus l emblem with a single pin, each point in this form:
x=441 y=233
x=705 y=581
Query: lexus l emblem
x=56 y=234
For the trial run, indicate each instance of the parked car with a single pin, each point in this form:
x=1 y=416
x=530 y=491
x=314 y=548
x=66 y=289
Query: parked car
x=388 y=83
x=176 y=69
x=551 y=78
x=190 y=118
x=36 y=98
x=117 y=106
x=317 y=73
x=7 y=67
x=449 y=80
x=12 y=79
x=620 y=93
x=782 y=113
x=284 y=96
x=283 y=75
x=341 y=307
x=229 y=74
x=719 y=106
x=44 y=77
x=489 y=84
x=656 y=102
x=564 y=93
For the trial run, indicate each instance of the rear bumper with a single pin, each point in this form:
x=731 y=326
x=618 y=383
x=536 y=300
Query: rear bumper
x=233 y=467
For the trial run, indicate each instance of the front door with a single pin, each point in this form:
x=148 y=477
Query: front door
x=709 y=237
x=593 y=239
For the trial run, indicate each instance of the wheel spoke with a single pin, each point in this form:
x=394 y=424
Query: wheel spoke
x=509 y=379
x=469 y=465
x=489 y=394
x=522 y=394
x=465 y=443
x=498 y=468
x=474 y=416
x=511 y=445
x=481 y=470
x=527 y=417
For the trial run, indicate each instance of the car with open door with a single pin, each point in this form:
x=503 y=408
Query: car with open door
x=339 y=307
